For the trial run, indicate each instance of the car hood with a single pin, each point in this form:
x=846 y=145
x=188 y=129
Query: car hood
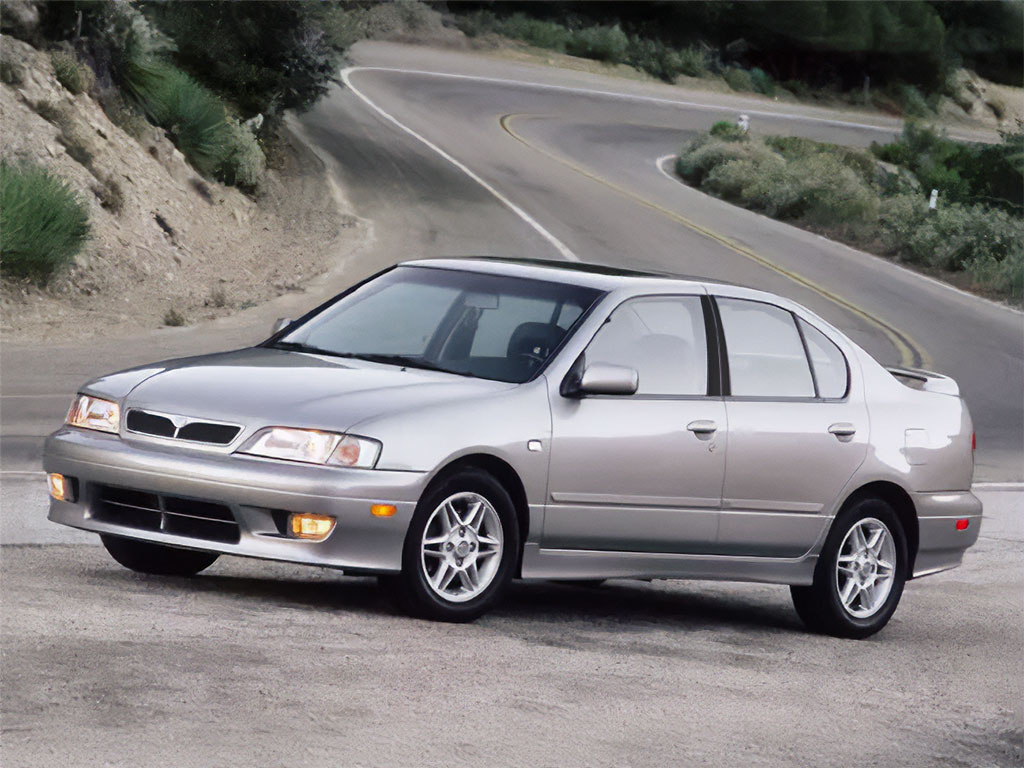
x=261 y=387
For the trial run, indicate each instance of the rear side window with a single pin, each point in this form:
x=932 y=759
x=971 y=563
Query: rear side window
x=766 y=354
x=662 y=338
x=830 y=371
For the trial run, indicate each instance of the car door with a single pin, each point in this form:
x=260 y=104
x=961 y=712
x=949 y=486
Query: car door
x=641 y=472
x=797 y=431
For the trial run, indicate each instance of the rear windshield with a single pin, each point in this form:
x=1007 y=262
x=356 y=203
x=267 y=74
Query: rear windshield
x=483 y=325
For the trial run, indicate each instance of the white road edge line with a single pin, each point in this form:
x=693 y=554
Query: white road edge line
x=558 y=245
x=660 y=164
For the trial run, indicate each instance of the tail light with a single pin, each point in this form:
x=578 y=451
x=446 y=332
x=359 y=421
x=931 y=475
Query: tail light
x=974 y=441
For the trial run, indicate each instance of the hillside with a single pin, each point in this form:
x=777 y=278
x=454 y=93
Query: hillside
x=165 y=245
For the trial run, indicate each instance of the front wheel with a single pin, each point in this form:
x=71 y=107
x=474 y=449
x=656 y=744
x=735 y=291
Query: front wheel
x=460 y=549
x=860 y=574
x=157 y=559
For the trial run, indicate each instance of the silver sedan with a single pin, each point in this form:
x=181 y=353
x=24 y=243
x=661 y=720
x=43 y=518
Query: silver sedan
x=450 y=425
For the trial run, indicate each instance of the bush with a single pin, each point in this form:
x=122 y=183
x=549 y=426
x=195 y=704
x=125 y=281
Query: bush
x=738 y=79
x=71 y=73
x=543 y=34
x=693 y=61
x=762 y=81
x=193 y=116
x=244 y=164
x=44 y=224
x=963 y=172
x=654 y=57
x=910 y=100
x=602 y=43
x=727 y=131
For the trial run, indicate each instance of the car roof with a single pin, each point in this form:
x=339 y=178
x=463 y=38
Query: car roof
x=587 y=274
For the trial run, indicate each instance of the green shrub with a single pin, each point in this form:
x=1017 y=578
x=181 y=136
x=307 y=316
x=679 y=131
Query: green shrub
x=727 y=131
x=601 y=43
x=654 y=57
x=476 y=23
x=738 y=79
x=1004 y=277
x=71 y=73
x=910 y=100
x=762 y=81
x=193 y=116
x=43 y=222
x=244 y=164
x=543 y=34
x=963 y=172
x=796 y=147
x=693 y=61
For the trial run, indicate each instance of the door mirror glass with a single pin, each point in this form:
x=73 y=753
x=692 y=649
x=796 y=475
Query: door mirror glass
x=280 y=324
x=607 y=379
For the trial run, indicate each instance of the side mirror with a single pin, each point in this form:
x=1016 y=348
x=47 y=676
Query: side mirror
x=605 y=379
x=280 y=324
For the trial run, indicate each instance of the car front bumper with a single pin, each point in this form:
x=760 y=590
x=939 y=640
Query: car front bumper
x=941 y=545
x=258 y=492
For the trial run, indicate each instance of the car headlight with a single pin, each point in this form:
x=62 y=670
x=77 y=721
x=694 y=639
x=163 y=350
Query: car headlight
x=90 y=412
x=314 y=447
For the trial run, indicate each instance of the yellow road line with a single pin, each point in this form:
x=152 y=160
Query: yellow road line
x=911 y=353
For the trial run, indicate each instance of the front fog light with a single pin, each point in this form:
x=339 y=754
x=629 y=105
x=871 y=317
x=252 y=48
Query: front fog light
x=304 y=525
x=61 y=488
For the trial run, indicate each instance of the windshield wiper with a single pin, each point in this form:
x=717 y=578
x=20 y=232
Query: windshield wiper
x=402 y=360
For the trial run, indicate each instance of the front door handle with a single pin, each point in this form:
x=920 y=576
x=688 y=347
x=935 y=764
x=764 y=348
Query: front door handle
x=702 y=427
x=843 y=430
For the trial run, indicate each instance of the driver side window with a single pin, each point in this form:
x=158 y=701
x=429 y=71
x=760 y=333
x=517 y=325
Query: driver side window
x=662 y=338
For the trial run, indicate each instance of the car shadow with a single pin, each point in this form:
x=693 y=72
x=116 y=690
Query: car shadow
x=619 y=606
x=624 y=604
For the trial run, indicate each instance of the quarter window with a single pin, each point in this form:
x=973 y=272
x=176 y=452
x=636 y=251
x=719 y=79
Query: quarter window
x=662 y=338
x=766 y=355
x=830 y=371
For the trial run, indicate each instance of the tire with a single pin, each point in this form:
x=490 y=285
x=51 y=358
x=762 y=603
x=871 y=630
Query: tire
x=844 y=559
x=437 y=576
x=157 y=559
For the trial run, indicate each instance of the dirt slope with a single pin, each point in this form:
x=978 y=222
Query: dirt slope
x=178 y=242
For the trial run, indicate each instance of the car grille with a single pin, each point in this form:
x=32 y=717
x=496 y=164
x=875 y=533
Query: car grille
x=195 y=431
x=170 y=514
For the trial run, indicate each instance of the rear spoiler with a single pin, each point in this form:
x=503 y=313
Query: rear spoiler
x=927 y=381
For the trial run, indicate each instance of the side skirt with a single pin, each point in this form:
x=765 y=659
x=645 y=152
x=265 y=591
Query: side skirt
x=554 y=564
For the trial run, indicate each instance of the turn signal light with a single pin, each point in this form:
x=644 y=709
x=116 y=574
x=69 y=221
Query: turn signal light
x=383 y=510
x=961 y=525
x=305 y=525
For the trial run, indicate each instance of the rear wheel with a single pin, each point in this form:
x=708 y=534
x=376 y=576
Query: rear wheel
x=860 y=574
x=460 y=550
x=157 y=559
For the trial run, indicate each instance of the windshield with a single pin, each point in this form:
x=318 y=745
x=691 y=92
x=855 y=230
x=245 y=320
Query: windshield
x=469 y=323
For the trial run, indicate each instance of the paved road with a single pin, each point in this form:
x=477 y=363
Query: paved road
x=282 y=665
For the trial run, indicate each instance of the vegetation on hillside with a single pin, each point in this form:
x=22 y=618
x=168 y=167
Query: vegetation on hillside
x=900 y=53
x=846 y=193
x=43 y=222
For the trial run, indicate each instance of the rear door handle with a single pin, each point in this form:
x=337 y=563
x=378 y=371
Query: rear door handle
x=843 y=429
x=702 y=427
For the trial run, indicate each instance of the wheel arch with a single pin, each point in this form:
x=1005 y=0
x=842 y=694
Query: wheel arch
x=505 y=474
x=897 y=498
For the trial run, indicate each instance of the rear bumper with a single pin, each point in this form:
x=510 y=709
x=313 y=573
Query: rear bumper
x=254 y=489
x=941 y=546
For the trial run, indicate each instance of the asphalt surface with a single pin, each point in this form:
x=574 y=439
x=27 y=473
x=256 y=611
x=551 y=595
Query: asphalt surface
x=282 y=665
